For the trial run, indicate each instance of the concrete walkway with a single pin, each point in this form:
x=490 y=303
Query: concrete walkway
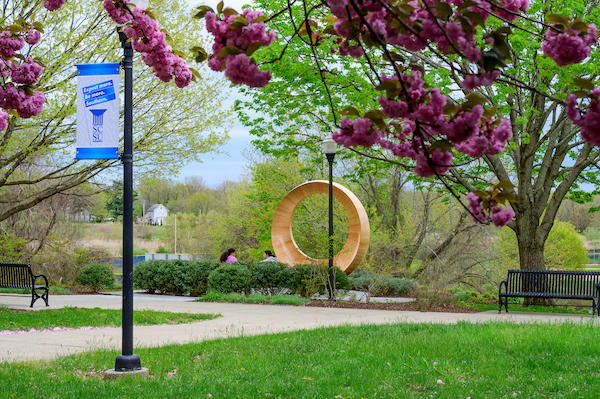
x=236 y=320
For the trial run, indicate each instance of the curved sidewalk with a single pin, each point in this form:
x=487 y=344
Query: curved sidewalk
x=236 y=320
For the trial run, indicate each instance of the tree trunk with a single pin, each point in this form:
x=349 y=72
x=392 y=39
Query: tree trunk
x=531 y=237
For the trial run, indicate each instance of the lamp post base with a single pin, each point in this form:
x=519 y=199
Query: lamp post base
x=112 y=374
x=125 y=363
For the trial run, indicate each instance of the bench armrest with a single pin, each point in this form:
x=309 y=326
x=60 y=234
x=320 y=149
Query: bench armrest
x=500 y=287
x=38 y=276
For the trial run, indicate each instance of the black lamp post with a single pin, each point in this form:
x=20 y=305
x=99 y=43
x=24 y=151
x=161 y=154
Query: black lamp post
x=329 y=148
x=127 y=360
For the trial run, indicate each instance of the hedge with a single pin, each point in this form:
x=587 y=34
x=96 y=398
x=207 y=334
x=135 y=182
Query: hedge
x=197 y=276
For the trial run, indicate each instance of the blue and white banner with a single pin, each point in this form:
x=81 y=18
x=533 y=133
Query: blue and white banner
x=97 y=111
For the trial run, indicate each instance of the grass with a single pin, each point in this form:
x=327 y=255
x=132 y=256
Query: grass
x=15 y=320
x=515 y=307
x=51 y=290
x=215 y=296
x=493 y=360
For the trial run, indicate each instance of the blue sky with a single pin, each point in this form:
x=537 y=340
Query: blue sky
x=216 y=168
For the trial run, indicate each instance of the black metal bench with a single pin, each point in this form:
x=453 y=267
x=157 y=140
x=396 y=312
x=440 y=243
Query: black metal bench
x=20 y=276
x=555 y=284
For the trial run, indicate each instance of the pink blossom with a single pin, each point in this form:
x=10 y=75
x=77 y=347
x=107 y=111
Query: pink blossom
x=476 y=209
x=480 y=79
x=566 y=49
x=33 y=37
x=501 y=216
x=31 y=105
x=512 y=5
x=28 y=73
x=353 y=51
x=3 y=120
x=393 y=108
x=359 y=132
x=240 y=69
x=589 y=122
x=464 y=125
x=440 y=162
x=53 y=5
x=10 y=44
x=118 y=10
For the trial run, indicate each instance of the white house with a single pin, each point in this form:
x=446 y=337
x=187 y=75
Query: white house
x=157 y=214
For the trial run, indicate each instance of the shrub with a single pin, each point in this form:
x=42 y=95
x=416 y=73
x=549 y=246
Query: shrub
x=269 y=277
x=162 y=250
x=362 y=280
x=385 y=285
x=199 y=271
x=97 y=276
x=230 y=278
x=366 y=280
x=308 y=279
x=174 y=276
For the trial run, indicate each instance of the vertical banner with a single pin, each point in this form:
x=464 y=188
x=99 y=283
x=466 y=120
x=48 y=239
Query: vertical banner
x=97 y=111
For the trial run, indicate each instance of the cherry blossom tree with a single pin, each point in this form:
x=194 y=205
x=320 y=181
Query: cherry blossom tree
x=460 y=91
x=38 y=51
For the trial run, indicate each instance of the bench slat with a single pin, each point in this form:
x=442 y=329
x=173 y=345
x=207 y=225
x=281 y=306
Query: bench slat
x=559 y=284
x=20 y=276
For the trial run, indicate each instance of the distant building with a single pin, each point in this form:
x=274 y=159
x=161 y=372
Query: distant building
x=157 y=214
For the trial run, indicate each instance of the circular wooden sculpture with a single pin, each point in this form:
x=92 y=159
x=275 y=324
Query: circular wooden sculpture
x=356 y=246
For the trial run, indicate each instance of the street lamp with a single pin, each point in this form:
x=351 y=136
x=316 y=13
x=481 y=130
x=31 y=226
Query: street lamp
x=329 y=148
x=128 y=361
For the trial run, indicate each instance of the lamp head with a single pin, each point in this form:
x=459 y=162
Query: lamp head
x=329 y=146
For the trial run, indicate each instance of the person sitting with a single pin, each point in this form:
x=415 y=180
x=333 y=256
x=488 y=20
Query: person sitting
x=269 y=257
x=228 y=256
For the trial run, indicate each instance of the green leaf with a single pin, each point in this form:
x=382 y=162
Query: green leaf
x=195 y=72
x=220 y=7
x=262 y=18
x=179 y=53
x=580 y=26
x=38 y=26
x=450 y=108
x=241 y=20
x=581 y=93
x=503 y=197
x=236 y=25
x=490 y=61
x=473 y=16
x=444 y=10
x=466 y=4
x=481 y=194
x=252 y=48
x=230 y=11
x=584 y=83
x=489 y=113
x=16 y=29
x=388 y=85
x=557 y=19
x=350 y=111
x=330 y=30
x=375 y=114
x=504 y=184
x=476 y=97
x=229 y=50
x=443 y=145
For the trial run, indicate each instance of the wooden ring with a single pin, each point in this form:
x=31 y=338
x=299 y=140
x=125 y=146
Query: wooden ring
x=356 y=246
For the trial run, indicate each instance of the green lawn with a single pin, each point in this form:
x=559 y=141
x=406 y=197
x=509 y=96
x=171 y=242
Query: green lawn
x=15 y=320
x=492 y=360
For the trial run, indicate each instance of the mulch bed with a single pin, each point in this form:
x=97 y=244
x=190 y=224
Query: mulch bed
x=405 y=306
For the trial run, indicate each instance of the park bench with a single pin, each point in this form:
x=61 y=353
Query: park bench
x=552 y=284
x=20 y=276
